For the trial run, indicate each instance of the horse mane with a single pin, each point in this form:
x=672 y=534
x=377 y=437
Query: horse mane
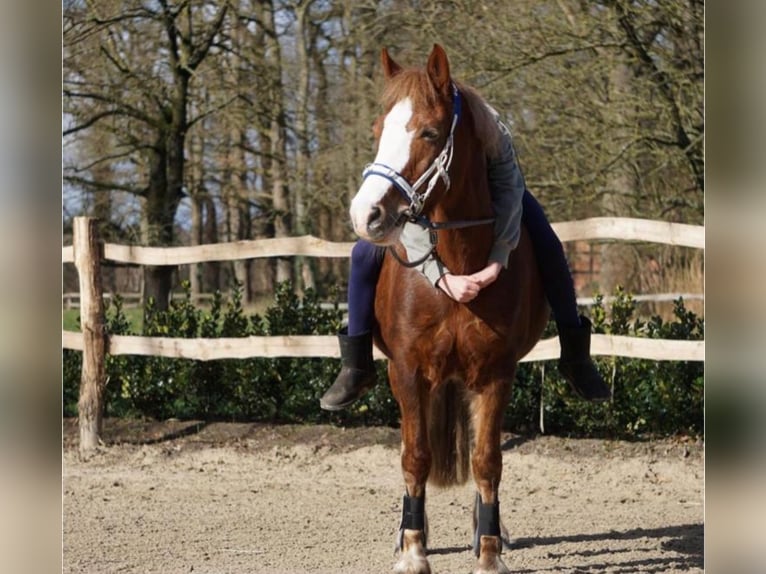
x=484 y=120
x=414 y=83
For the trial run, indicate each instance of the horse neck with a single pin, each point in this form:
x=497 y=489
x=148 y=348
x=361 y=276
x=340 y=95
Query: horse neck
x=466 y=250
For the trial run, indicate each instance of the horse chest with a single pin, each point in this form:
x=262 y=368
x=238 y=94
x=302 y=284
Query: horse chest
x=425 y=332
x=463 y=346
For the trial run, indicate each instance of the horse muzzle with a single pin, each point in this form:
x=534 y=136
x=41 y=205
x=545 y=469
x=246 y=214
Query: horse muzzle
x=377 y=222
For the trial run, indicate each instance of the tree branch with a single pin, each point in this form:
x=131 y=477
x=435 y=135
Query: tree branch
x=89 y=122
x=109 y=157
x=104 y=186
x=122 y=107
x=200 y=51
x=215 y=109
x=664 y=83
x=534 y=59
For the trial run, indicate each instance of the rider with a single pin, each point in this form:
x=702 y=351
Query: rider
x=512 y=204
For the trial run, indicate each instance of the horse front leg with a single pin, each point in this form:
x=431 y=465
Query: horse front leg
x=487 y=465
x=412 y=396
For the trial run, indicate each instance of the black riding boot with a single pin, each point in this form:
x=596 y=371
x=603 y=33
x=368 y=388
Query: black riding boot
x=357 y=374
x=576 y=366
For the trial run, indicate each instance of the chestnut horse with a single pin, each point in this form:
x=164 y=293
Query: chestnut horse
x=451 y=365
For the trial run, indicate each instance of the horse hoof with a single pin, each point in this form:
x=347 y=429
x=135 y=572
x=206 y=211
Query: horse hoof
x=412 y=559
x=495 y=567
x=499 y=568
x=489 y=557
x=412 y=565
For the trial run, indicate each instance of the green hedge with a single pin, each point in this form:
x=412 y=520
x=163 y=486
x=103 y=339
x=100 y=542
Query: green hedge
x=650 y=398
x=262 y=389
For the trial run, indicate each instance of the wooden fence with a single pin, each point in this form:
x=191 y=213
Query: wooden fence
x=87 y=252
x=133 y=300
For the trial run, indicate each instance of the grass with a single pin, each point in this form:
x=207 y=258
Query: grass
x=135 y=315
x=71 y=319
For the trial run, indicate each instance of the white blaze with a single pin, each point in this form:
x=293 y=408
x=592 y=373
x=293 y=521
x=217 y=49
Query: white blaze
x=393 y=151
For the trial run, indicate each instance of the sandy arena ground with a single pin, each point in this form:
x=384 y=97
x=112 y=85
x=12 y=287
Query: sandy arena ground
x=244 y=498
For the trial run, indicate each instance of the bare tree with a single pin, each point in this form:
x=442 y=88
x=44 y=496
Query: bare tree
x=133 y=65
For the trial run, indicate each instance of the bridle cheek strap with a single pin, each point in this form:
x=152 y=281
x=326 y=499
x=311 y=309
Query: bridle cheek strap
x=439 y=169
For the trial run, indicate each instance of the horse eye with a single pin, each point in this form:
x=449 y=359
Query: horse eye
x=429 y=134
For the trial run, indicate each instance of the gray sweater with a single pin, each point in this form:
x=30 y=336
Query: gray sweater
x=506 y=187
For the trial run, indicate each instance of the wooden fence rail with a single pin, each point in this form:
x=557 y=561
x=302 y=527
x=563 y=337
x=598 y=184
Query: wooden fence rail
x=72 y=300
x=615 y=228
x=327 y=346
x=87 y=252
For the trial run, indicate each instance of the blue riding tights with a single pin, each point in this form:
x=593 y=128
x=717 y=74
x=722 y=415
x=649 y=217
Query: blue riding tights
x=367 y=260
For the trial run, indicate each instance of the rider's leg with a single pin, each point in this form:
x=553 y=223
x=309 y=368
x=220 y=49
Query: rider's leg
x=357 y=374
x=366 y=261
x=554 y=269
x=575 y=363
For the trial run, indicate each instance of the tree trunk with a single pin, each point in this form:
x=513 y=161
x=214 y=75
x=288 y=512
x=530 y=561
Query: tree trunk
x=159 y=213
x=211 y=270
x=301 y=192
x=196 y=191
x=102 y=211
x=279 y=184
x=618 y=259
x=236 y=214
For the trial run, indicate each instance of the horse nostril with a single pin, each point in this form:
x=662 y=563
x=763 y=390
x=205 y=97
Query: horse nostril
x=375 y=217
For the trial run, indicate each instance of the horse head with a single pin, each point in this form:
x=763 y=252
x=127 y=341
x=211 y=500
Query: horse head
x=415 y=145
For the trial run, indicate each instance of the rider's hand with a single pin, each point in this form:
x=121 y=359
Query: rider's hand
x=487 y=275
x=465 y=288
x=460 y=287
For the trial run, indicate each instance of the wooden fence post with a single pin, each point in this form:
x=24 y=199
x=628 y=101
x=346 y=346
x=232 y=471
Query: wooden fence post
x=87 y=259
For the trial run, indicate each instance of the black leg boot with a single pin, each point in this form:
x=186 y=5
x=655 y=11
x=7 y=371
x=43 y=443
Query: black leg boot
x=357 y=374
x=576 y=366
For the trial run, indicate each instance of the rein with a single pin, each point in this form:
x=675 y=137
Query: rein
x=439 y=169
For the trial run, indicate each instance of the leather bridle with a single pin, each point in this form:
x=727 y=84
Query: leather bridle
x=439 y=169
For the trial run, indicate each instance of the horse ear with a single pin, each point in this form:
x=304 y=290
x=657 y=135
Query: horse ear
x=438 y=69
x=390 y=68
